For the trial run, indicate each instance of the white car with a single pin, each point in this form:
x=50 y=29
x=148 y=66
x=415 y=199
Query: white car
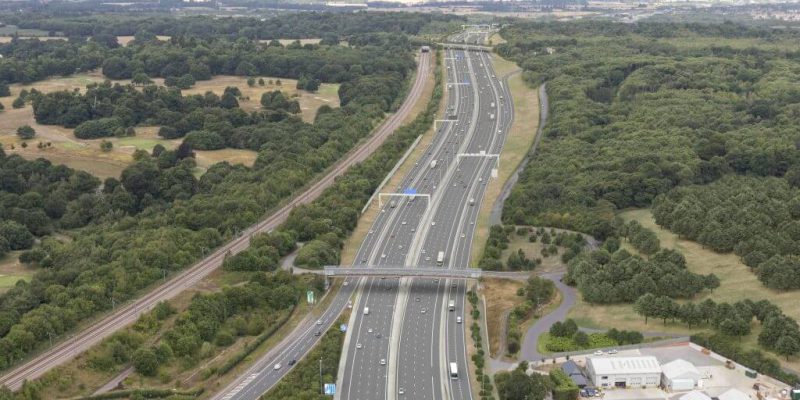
x=358 y=345
x=613 y=351
x=369 y=330
x=599 y=353
x=319 y=322
x=276 y=367
x=401 y=391
x=458 y=320
x=383 y=361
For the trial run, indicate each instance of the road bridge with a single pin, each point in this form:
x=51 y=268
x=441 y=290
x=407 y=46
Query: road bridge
x=384 y=271
x=462 y=46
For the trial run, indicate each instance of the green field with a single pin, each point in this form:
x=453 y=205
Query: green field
x=7 y=281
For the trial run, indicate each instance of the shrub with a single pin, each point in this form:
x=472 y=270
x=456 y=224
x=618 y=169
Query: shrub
x=205 y=140
x=97 y=128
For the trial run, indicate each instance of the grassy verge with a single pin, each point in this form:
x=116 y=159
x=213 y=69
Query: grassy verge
x=318 y=367
x=353 y=242
x=518 y=143
x=501 y=297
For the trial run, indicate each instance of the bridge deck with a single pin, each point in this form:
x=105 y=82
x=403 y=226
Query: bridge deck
x=414 y=272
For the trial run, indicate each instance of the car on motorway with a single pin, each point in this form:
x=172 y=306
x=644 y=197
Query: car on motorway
x=383 y=361
x=277 y=367
x=358 y=345
x=458 y=320
x=613 y=351
x=317 y=333
x=401 y=391
x=369 y=330
x=293 y=362
x=599 y=353
x=319 y=322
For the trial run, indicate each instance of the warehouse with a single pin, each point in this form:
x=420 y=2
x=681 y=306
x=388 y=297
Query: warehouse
x=680 y=375
x=695 y=395
x=733 y=394
x=623 y=372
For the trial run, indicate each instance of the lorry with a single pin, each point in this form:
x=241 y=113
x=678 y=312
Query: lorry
x=451 y=305
x=440 y=258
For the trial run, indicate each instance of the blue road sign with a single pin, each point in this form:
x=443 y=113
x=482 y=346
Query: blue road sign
x=410 y=191
x=330 y=388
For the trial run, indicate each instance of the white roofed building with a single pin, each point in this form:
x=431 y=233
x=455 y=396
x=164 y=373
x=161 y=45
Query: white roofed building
x=680 y=375
x=644 y=371
x=733 y=394
x=695 y=395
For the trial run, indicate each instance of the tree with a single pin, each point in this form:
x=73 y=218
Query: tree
x=18 y=103
x=141 y=79
x=106 y=146
x=251 y=81
x=646 y=306
x=581 y=339
x=261 y=82
x=117 y=68
x=4 y=90
x=26 y=132
x=185 y=81
x=18 y=237
x=145 y=362
x=734 y=326
x=787 y=346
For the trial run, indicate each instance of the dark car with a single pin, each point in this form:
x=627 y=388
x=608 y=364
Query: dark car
x=292 y=362
x=317 y=333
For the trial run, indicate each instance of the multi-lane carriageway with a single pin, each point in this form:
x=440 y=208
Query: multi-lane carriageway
x=402 y=347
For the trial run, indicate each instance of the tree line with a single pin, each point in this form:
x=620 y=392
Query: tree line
x=638 y=109
x=157 y=217
x=757 y=219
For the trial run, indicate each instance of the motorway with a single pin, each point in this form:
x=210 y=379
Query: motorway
x=129 y=313
x=406 y=354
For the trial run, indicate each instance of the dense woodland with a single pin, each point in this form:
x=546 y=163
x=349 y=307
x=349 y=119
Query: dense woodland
x=698 y=121
x=158 y=217
x=758 y=219
x=637 y=109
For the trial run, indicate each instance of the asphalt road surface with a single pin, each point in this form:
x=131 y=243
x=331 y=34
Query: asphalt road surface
x=424 y=335
x=129 y=313
x=274 y=365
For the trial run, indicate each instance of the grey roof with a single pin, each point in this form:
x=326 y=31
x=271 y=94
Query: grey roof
x=571 y=368
x=579 y=380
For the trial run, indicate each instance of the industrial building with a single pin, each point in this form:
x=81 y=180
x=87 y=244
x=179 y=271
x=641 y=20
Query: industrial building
x=643 y=371
x=695 y=395
x=733 y=394
x=681 y=375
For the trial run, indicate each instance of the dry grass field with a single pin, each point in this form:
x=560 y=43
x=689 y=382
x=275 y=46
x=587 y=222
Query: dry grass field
x=736 y=283
x=86 y=155
x=124 y=40
x=501 y=297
